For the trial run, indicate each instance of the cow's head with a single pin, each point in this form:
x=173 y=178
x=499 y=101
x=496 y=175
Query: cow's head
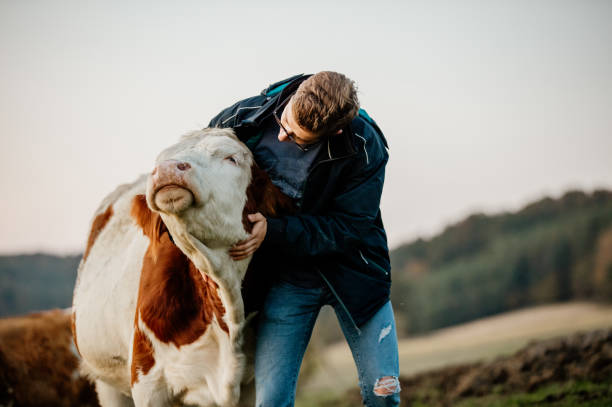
x=201 y=183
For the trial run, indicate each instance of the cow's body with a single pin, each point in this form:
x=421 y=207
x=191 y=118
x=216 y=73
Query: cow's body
x=158 y=313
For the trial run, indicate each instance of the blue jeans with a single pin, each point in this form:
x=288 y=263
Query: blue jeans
x=285 y=326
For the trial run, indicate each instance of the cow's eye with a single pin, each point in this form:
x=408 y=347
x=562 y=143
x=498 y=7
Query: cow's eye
x=231 y=159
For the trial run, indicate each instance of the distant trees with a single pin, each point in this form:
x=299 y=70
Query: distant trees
x=550 y=251
x=36 y=282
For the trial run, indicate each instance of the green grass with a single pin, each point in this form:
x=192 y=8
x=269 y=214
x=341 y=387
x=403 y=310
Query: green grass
x=582 y=393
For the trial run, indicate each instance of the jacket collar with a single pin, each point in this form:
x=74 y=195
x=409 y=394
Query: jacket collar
x=340 y=145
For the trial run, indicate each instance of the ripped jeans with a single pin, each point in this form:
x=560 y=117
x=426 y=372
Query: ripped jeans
x=285 y=327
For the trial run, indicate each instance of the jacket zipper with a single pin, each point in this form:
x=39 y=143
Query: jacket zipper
x=363 y=257
x=331 y=288
x=327 y=282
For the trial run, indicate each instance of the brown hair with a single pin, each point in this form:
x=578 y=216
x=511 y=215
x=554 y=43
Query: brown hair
x=325 y=102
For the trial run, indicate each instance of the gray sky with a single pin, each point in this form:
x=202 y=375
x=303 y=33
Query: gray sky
x=487 y=104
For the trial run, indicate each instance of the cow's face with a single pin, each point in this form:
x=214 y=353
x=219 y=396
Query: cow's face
x=201 y=182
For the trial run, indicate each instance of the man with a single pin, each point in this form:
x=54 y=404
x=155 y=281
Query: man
x=320 y=149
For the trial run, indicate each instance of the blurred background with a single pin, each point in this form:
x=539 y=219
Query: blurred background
x=497 y=201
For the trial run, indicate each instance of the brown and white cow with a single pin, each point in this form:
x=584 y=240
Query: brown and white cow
x=158 y=313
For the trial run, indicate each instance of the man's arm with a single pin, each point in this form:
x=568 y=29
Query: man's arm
x=351 y=217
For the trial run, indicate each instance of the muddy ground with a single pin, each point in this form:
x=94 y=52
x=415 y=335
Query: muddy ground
x=577 y=358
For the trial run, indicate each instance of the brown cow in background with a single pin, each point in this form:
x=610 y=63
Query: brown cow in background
x=39 y=364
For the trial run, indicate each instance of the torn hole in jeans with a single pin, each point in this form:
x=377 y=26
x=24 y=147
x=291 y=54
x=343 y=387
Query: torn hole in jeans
x=386 y=386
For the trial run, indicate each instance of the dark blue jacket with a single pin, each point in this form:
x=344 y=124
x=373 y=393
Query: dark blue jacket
x=338 y=230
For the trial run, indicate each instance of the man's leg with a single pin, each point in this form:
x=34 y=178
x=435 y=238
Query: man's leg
x=374 y=350
x=285 y=326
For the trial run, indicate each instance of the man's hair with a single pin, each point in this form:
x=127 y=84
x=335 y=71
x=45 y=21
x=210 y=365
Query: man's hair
x=325 y=103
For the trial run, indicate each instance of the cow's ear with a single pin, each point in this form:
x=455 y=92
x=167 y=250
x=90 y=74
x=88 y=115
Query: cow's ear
x=150 y=222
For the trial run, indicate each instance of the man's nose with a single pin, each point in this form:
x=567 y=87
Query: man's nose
x=282 y=136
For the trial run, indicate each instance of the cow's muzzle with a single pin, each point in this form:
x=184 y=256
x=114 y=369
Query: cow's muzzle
x=171 y=192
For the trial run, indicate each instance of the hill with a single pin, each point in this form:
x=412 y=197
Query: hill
x=550 y=251
x=564 y=371
x=36 y=282
x=475 y=341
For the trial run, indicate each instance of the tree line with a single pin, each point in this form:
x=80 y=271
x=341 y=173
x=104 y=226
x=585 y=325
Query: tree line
x=552 y=250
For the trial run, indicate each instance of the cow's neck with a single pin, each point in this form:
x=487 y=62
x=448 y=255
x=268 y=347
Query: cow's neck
x=195 y=257
x=175 y=301
x=215 y=262
x=216 y=229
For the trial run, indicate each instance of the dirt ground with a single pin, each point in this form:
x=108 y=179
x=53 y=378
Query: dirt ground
x=581 y=357
x=481 y=340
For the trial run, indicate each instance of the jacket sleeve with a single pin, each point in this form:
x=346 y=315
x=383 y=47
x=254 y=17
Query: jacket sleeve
x=351 y=217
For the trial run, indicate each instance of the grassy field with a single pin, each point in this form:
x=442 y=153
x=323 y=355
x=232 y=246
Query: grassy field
x=479 y=340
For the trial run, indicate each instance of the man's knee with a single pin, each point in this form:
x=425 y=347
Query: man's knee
x=386 y=386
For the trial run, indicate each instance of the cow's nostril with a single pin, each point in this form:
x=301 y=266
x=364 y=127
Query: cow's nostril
x=183 y=166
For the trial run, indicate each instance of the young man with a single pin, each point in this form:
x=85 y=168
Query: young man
x=320 y=149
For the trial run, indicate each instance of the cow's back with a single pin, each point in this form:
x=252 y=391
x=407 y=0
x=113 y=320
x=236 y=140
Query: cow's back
x=107 y=286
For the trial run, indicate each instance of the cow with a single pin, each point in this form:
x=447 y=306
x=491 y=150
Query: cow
x=158 y=315
x=38 y=362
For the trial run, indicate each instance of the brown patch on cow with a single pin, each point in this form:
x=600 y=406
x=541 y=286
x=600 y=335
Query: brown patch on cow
x=96 y=227
x=265 y=197
x=142 y=354
x=150 y=222
x=73 y=329
x=175 y=301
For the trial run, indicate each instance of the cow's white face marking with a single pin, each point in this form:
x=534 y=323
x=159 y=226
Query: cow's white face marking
x=209 y=192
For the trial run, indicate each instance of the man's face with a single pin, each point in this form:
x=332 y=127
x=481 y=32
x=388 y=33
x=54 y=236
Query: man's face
x=290 y=129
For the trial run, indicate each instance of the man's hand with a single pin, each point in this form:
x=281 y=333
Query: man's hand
x=244 y=249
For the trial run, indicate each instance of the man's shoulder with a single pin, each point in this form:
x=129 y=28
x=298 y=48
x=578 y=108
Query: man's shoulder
x=250 y=111
x=233 y=115
x=368 y=138
x=368 y=128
